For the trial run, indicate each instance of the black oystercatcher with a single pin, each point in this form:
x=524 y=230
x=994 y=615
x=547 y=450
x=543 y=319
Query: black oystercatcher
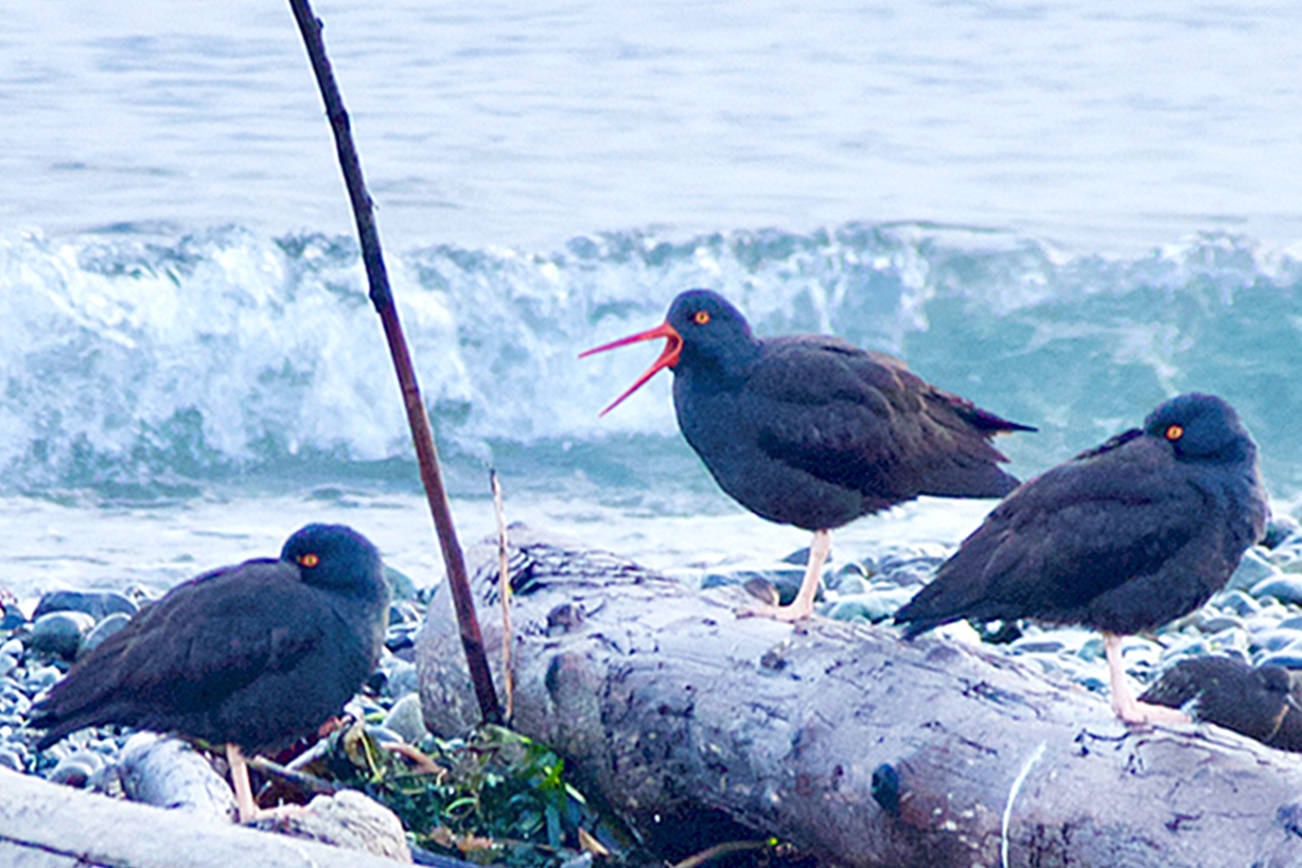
x=811 y=431
x=250 y=656
x=1122 y=538
x=1256 y=702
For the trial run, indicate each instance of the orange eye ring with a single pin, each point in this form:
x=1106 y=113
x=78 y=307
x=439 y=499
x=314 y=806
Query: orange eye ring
x=701 y=317
x=309 y=560
x=1174 y=432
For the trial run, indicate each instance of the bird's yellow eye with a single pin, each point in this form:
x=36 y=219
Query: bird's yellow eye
x=701 y=317
x=309 y=560
x=1174 y=432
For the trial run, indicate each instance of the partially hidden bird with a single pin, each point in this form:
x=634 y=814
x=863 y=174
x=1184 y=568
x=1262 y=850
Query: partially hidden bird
x=1258 y=702
x=1121 y=538
x=251 y=656
x=812 y=431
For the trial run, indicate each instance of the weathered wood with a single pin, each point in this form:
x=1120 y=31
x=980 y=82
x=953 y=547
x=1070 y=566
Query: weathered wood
x=667 y=705
x=45 y=825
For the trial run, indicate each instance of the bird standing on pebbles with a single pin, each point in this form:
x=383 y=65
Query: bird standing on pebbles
x=251 y=656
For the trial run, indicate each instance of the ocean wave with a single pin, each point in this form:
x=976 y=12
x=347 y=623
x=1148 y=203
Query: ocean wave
x=143 y=357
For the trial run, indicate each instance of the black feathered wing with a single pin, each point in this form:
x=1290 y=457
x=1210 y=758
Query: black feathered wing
x=1067 y=537
x=864 y=421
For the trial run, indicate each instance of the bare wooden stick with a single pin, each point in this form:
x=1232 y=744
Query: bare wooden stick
x=504 y=583
x=382 y=298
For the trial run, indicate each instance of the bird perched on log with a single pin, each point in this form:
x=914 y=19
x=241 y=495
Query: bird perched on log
x=812 y=431
x=1121 y=538
x=251 y=656
x=1258 y=703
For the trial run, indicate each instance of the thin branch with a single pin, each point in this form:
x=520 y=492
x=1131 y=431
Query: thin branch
x=381 y=296
x=504 y=591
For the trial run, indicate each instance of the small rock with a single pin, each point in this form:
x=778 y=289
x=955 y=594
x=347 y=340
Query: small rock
x=346 y=819
x=60 y=632
x=1273 y=640
x=8 y=664
x=70 y=771
x=850 y=584
x=1285 y=587
x=1278 y=529
x=1239 y=602
x=851 y=608
x=800 y=557
x=10 y=759
x=13 y=647
x=405 y=719
x=1289 y=658
x=40 y=678
x=1214 y=622
x=401 y=587
x=104 y=629
x=97 y=604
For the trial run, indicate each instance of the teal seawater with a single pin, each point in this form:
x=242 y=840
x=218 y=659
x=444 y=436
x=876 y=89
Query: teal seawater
x=141 y=364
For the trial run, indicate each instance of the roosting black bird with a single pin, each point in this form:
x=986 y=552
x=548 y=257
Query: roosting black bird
x=251 y=656
x=1122 y=538
x=1258 y=703
x=812 y=431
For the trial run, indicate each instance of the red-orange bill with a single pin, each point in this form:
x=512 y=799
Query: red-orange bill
x=667 y=359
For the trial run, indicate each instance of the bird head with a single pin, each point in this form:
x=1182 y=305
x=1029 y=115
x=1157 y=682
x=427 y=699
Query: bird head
x=336 y=557
x=1200 y=427
x=700 y=323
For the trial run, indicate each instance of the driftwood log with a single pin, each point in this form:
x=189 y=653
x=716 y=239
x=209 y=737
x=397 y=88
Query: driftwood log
x=670 y=708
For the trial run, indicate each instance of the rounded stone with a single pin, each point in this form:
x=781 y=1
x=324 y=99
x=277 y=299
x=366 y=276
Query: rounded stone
x=1278 y=529
x=401 y=586
x=851 y=584
x=8 y=664
x=72 y=771
x=10 y=759
x=1238 y=602
x=853 y=608
x=104 y=629
x=1216 y=623
x=13 y=647
x=405 y=719
x=1285 y=587
x=60 y=632
x=97 y=604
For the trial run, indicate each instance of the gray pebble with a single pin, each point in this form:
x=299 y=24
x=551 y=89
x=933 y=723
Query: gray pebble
x=851 y=584
x=40 y=678
x=1274 y=640
x=1215 y=623
x=1289 y=658
x=102 y=631
x=382 y=734
x=70 y=771
x=97 y=604
x=853 y=608
x=10 y=759
x=1239 y=602
x=401 y=587
x=1278 y=529
x=13 y=647
x=60 y=632
x=405 y=719
x=8 y=664
x=1286 y=587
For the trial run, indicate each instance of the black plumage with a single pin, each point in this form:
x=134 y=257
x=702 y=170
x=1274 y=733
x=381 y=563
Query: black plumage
x=253 y=655
x=811 y=431
x=1258 y=703
x=1122 y=538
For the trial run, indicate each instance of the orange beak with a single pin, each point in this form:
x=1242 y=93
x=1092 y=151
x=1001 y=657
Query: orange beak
x=668 y=356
